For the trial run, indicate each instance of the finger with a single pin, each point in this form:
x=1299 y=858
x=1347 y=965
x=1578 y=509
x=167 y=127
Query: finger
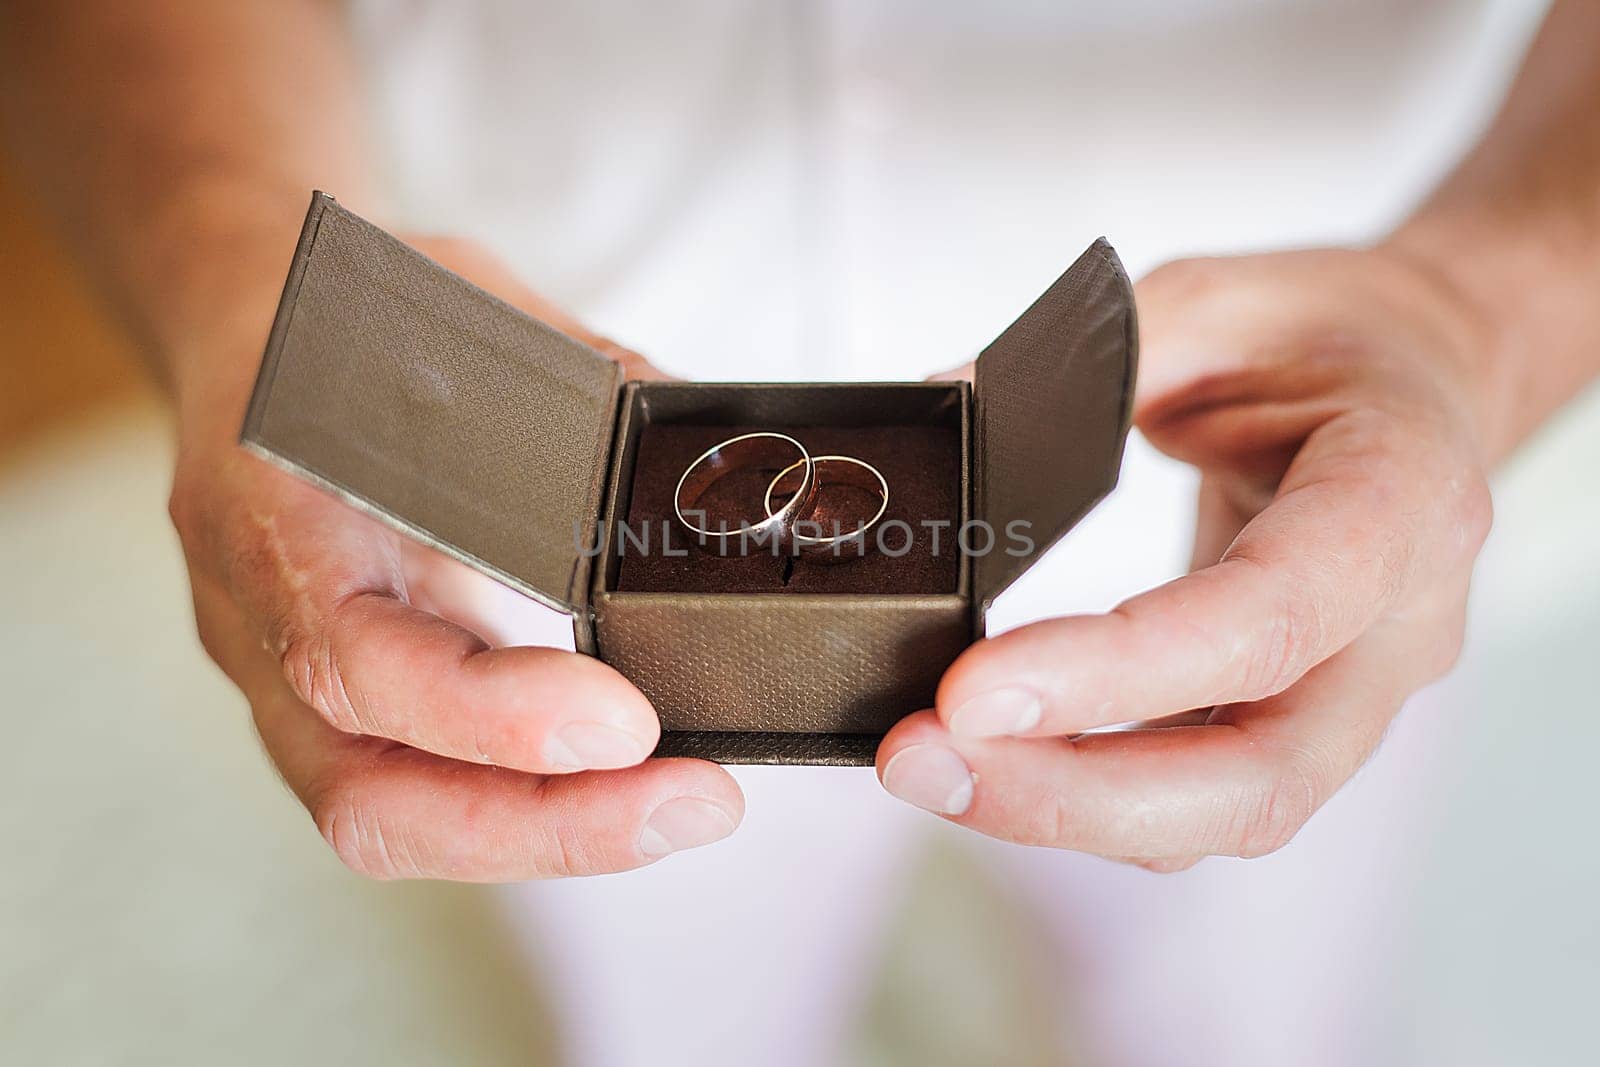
x=394 y=812
x=483 y=268
x=352 y=649
x=480 y=266
x=1219 y=517
x=374 y=665
x=1240 y=785
x=452 y=590
x=962 y=373
x=1368 y=514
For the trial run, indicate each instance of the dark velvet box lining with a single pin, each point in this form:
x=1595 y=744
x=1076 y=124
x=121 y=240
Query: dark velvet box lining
x=917 y=449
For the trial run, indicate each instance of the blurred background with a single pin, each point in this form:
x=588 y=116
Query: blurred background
x=163 y=899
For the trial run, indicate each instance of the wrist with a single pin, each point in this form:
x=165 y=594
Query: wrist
x=1527 y=288
x=1468 y=337
x=212 y=288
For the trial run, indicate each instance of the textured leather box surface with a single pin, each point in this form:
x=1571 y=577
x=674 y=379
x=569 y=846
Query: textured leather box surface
x=431 y=404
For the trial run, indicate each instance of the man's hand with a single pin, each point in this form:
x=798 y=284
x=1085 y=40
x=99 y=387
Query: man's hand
x=181 y=175
x=420 y=748
x=1335 y=406
x=1343 y=408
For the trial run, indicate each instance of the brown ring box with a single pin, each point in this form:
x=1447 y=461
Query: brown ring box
x=423 y=400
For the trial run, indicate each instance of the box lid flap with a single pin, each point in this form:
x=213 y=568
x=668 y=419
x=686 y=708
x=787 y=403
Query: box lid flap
x=419 y=397
x=1052 y=396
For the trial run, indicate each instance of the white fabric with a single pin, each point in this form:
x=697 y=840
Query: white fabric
x=782 y=191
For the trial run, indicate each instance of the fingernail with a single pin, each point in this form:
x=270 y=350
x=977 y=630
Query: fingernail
x=932 y=777
x=683 y=822
x=580 y=746
x=998 y=712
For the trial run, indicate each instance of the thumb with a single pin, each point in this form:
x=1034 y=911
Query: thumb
x=636 y=366
x=962 y=373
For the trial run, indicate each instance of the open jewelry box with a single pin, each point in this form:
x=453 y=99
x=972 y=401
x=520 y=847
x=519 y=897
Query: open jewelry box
x=430 y=403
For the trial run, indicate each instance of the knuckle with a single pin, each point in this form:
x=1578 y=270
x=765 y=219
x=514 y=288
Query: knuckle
x=1294 y=633
x=564 y=848
x=211 y=641
x=1474 y=511
x=1051 y=822
x=567 y=855
x=1180 y=278
x=357 y=834
x=315 y=673
x=1448 y=655
x=1445 y=652
x=1058 y=819
x=1461 y=503
x=181 y=511
x=178 y=509
x=1272 y=822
